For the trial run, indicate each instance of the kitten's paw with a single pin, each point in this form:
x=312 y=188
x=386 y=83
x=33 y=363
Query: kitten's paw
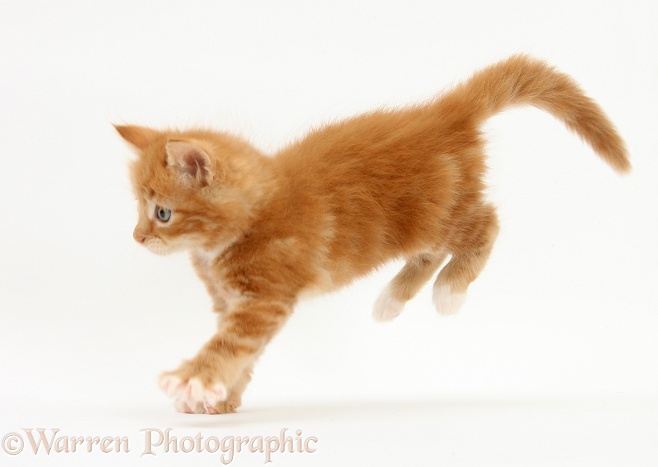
x=193 y=396
x=386 y=307
x=447 y=301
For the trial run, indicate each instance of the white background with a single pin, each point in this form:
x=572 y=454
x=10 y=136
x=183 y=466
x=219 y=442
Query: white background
x=553 y=359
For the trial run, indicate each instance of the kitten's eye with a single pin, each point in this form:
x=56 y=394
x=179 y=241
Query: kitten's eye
x=163 y=214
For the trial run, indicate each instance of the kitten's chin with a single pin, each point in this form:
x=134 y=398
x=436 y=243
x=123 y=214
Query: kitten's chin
x=157 y=246
x=162 y=248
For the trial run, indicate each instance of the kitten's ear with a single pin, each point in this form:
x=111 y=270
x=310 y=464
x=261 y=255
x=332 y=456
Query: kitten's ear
x=190 y=161
x=140 y=137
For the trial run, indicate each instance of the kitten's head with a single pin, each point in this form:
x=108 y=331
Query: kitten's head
x=196 y=189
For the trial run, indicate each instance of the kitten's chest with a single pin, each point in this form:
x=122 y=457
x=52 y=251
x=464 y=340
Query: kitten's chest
x=223 y=296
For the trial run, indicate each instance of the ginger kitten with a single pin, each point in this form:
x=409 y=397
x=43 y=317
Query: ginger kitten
x=333 y=206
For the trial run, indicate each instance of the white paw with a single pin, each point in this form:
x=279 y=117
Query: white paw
x=446 y=301
x=386 y=307
x=193 y=396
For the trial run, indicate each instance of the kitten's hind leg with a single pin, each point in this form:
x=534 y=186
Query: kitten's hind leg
x=415 y=273
x=463 y=268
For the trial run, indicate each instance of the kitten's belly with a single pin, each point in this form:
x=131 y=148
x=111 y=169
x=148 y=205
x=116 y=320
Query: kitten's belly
x=323 y=283
x=331 y=277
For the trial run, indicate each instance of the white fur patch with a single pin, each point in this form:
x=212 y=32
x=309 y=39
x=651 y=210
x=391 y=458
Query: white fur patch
x=207 y=257
x=170 y=384
x=193 y=396
x=149 y=209
x=386 y=307
x=446 y=301
x=225 y=298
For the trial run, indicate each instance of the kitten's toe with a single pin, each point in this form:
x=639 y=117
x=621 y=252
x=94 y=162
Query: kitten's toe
x=446 y=300
x=229 y=406
x=386 y=307
x=201 y=398
x=171 y=384
x=182 y=407
x=193 y=396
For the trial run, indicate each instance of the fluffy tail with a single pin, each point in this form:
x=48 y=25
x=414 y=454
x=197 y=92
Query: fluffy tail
x=522 y=80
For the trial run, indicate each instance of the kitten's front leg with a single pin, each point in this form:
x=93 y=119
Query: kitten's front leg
x=213 y=381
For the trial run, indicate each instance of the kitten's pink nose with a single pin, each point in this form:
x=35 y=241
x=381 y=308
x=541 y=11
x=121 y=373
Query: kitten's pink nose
x=138 y=236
